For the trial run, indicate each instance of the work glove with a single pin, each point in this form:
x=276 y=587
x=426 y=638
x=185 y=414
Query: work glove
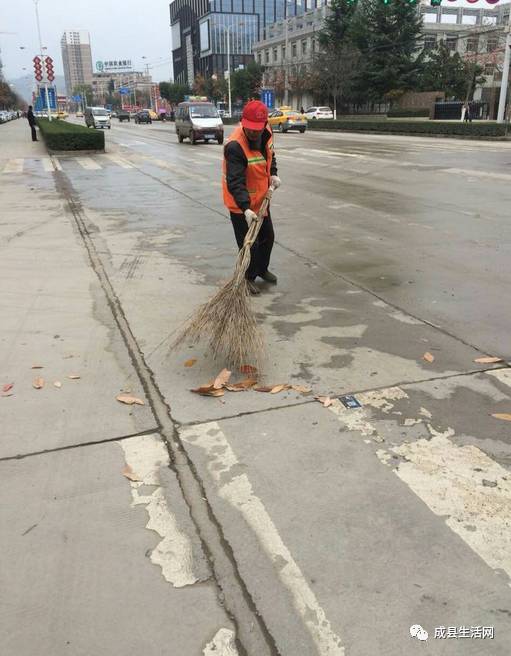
x=250 y=216
x=275 y=181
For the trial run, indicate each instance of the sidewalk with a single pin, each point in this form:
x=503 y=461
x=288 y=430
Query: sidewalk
x=92 y=562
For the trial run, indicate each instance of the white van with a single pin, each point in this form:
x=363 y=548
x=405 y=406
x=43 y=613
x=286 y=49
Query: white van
x=97 y=117
x=199 y=121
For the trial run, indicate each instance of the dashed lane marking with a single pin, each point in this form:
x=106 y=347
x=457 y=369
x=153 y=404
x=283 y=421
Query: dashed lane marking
x=236 y=489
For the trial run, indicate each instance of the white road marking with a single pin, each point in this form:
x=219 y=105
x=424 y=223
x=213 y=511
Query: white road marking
x=481 y=174
x=57 y=164
x=14 y=166
x=222 y=644
x=87 y=163
x=145 y=455
x=119 y=161
x=238 y=492
x=460 y=483
x=47 y=164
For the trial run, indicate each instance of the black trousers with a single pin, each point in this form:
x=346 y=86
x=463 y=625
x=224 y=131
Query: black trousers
x=34 y=133
x=261 y=250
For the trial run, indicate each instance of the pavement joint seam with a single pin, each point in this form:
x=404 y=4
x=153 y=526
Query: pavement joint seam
x=68 y=447
x=252 y=635
x=363 y=390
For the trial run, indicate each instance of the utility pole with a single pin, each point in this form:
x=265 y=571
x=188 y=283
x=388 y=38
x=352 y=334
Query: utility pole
x=286 y=66
x=228 y=29
x=42 y=60
x=505 y=74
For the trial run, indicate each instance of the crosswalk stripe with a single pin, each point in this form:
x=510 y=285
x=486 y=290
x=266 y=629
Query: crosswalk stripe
x=57 y=164
x=14 y=166
x=88 y=163
x=119 y=161
x=47 y=165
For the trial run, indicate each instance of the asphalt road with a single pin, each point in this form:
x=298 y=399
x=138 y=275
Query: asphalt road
x=346 y=526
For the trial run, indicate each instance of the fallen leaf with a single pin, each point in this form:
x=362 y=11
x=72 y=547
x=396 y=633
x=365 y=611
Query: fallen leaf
x=208 y=390
x=58 y=384
x=8 y=394
x=278 y=388
x=129 y=400
x=264 y=388
x=301 y=389
x=503 y=415
x=326 y=401
x=222 y=379
x=242 y=385
x=129 y=473
x=190 y=362
x=7 y=387
x=38 y=383
x=37 y=366
x=248 y=369
x=74 y=376
x=488 y=360
x=428 y=357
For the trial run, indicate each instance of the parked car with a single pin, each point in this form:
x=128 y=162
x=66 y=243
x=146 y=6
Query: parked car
x=153 y=115
x=143 y=116
x=113 y=114
x=198 y=121
x=318 y=112
x=285 y=119
x=123 y=115
x=97 y=117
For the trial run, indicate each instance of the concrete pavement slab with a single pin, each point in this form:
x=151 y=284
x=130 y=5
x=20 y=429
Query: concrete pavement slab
x=381 y=517
x=95 y=563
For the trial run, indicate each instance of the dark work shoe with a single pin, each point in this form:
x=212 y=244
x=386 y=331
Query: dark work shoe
x=268 y=276
x=253 y=288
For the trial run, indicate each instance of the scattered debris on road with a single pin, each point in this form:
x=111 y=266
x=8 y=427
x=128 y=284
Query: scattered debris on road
x=428 y=357
x=488 y=360
x=128 y=399
x=130 y=474
x=38 y=383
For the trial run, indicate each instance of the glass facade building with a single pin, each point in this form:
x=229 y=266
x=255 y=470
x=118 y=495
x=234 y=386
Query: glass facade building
x=201 y=28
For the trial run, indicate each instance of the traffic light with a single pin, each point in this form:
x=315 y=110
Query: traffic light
x=436 y=3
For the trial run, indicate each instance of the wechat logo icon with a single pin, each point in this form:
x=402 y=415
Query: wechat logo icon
x=416 y=631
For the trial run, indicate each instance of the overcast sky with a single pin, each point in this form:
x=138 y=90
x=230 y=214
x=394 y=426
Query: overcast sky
x=119 y=29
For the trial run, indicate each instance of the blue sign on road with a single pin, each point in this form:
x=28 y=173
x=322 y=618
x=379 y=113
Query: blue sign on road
x=76 y=98
x=268 y=98
x=124 y=90
x=40 y=103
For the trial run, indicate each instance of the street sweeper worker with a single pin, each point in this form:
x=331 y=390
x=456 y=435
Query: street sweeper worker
x=249 y=169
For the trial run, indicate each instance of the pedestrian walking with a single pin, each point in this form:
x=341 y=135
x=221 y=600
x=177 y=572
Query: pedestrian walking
x=249 y=168
x=302 y=110
x=467 y=113
x=32 y=122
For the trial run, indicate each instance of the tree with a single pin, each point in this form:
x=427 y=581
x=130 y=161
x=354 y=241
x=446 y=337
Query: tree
x=387 y=36
x=199 y=85
x=246 y=82
x=8 y=98
x=216 y=88
x=174 y=92
x=85 y=91
x=444 y=70
x=335 y=66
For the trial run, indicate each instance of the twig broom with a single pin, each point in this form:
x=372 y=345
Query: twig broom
x=227 y=321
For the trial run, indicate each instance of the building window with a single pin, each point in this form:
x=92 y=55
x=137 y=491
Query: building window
x=429 y=42
x=451 y=42
x=488 y=69
x=275 y=55
x=472 y=44
x=293 y=50
x=430 y=17
x=469 y=19
x=283 y=50
x=451 y=19
x=267 y=56
x=491 y=44
x=304 y=47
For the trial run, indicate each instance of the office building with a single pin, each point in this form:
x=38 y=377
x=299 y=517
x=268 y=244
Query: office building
x=203 y=31
x=76 y=58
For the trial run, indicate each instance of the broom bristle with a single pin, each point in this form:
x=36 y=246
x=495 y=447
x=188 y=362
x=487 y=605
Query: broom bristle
x=228 y=324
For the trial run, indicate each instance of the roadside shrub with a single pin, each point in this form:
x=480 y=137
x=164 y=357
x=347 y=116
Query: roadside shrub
x=61 y=135
x=410 y=112
x=433 y=128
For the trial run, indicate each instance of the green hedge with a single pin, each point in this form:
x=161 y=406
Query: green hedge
x=434 y=128
x=411 y=112
x=61 y=135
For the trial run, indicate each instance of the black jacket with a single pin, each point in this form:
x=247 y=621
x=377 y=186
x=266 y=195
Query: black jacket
x=31 y=118
x=236 y=165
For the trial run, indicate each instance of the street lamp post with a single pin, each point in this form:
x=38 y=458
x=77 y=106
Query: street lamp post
x=42 y=59
x=505 y=75
x=228 y=29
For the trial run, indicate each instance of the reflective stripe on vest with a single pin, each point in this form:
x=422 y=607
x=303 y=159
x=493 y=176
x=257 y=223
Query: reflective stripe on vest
x=257 y=173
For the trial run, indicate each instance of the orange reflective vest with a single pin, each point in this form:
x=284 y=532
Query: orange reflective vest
x=257 y=176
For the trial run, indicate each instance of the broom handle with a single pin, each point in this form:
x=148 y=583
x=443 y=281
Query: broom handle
x=256 y=224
